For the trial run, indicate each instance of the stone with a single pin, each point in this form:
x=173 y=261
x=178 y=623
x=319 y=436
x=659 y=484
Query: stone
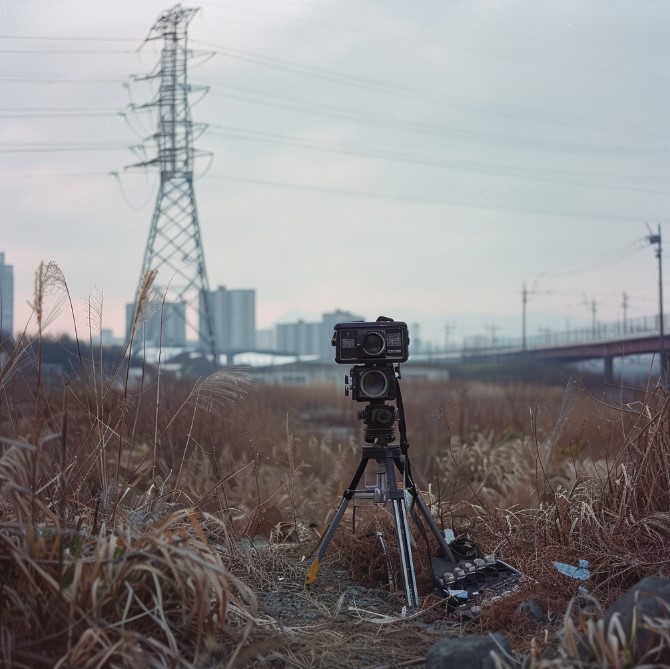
x=471 y=652
x=649 y=598
x=534 y=610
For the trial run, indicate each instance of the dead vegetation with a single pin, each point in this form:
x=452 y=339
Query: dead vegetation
x=124 y=513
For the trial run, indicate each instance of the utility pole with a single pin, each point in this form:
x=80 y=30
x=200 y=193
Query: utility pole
x=174 y=247
x=525 y=297
x=593 y=318
x=493 y=329
x=524 y=304
x=624 y=306
x=656 y=240
x=591 y=306
x=447 y=331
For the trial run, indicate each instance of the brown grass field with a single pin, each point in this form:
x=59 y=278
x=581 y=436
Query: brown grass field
x=124 y=510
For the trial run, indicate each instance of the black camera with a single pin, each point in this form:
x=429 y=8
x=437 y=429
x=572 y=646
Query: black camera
x=371 y=382
x=365 y=342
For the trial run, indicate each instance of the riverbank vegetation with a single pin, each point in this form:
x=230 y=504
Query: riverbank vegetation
x=127 y=509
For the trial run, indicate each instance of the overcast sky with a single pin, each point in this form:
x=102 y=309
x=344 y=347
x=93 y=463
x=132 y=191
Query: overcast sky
x=420 y=160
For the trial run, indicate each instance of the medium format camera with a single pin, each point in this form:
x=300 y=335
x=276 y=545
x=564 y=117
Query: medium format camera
x=377 y=347
x=384 y=340
x=371 y=382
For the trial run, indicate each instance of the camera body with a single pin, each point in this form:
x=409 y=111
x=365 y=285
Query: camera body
x=383 y=340
x=375 y=348
x=371 y=382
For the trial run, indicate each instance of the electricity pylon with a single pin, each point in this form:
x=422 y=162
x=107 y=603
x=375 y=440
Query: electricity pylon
x=174 y=247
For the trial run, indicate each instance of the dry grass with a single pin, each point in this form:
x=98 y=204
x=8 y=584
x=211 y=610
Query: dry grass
x=617 y=516
x=122 y=509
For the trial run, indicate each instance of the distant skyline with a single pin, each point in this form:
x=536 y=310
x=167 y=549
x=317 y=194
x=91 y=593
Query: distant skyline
x=422 y=162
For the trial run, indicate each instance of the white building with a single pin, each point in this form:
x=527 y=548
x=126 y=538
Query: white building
x=162 y=324
x=312 y=339
x=6 y=297
x=300 y=338
x=233 y=314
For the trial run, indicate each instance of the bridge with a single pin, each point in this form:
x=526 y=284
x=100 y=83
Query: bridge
x=604 y=341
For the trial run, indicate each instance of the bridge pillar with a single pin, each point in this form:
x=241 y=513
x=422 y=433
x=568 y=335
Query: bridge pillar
x=609 y=368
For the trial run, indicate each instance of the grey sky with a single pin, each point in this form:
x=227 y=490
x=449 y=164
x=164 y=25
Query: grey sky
x=419 y=159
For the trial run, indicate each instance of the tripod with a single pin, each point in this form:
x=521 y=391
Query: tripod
x=389 y=459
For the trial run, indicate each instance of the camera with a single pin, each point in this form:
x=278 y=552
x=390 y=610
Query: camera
x=376 y=349
x=371 y=382
x=364 y=342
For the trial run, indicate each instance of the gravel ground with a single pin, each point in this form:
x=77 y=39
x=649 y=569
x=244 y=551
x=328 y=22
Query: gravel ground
x=339 y=623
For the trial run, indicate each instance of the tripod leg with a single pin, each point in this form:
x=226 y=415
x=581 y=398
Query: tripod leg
x=346 y=497
x=425 y=512
x=404 y=537
x=405 y=548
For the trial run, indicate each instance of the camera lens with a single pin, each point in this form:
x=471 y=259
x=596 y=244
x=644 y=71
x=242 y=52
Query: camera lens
x=373 y=383
x=384 y=416
x=373 y=343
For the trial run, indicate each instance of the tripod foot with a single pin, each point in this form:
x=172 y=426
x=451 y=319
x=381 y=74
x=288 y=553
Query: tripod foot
x=311 y=574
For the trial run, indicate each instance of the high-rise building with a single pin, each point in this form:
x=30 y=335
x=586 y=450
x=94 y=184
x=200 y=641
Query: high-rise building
x=314 y=339
x=300 y=338
x=233 y=314
x=242 y=318
x=266 y=339
x=161 y=324
x=6 y=297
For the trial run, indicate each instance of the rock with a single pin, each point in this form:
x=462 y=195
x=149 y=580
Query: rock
x=534 y=610
x=263 y=520
x=650 y=599
x=471 y=652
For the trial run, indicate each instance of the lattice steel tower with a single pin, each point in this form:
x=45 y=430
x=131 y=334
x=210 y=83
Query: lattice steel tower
x=174 y=247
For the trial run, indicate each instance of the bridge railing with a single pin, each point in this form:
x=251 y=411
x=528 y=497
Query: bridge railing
x=633 y=327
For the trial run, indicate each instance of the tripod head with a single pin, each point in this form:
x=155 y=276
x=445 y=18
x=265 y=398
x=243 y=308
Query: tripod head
x=375 y=384
x=378 y=419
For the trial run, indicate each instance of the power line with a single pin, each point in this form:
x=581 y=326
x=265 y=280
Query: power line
x=40 y=175
x=577 y=149
x=333 y=111
x=428 y=201
x=77 y=52
x=236 y=133
x=58 y=148
x=419 y=127
x=507 y=171
x=42 y=79
x=599 y=261
x=56 y=113
x=55 y=38
x=337 y=77
x=273 y=138
x=319 y=73
x=369 y=84
x=518 y=172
